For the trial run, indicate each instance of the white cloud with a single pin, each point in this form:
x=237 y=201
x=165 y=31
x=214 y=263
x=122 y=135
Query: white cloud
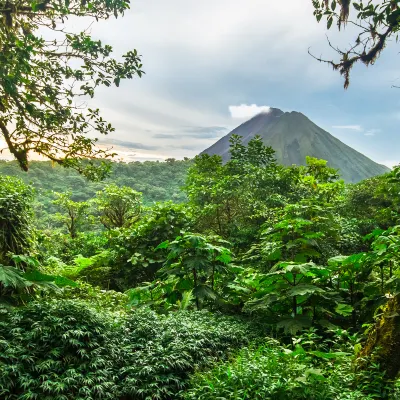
x=357 y=128
x=247 y=111
x=372 y=132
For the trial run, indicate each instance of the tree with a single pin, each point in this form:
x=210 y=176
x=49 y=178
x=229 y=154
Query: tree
x=321 y=181
x=74 y=214
x=229 y=198
x=377 y=23
x=132 y=254
x=384 y=339
x=42 y=81
x=16 y=233
x=196 y=261
x=119 y=207
x=289 y=290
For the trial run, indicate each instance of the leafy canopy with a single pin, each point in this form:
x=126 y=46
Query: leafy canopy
x=73 y=213
x=119 y=207
x=45 y=73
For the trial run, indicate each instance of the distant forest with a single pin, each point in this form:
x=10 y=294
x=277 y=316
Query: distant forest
x=157 y=181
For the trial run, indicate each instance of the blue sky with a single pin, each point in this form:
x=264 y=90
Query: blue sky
x=204 y=59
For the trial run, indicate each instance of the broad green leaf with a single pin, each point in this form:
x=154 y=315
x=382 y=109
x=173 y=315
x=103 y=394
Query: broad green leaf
x=344 y=309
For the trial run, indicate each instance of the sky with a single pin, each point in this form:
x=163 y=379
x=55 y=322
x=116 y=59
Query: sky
x=212 y=64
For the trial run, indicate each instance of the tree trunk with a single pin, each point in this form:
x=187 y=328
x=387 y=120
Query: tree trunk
x=383 y=343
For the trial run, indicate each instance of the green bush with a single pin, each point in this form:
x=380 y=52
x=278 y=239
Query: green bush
x=64 y=349
x=272 y=372
x=100 y=300
x=16 y=233
x=58 y=350
x=164 y=350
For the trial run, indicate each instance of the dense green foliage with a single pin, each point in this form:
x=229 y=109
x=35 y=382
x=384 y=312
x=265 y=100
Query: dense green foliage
x=113 y=296
x=275 y=372
x=67 y=350
x=157 y=181
x=193 y=279
x=15 y=217
x=45 y=70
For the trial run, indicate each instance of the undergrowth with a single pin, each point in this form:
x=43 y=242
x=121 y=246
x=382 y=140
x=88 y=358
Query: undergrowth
x=273 y=372
x=65 y=349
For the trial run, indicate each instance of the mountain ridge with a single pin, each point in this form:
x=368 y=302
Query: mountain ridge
x=294 y=136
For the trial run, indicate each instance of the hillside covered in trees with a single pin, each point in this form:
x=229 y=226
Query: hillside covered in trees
x=157 y=181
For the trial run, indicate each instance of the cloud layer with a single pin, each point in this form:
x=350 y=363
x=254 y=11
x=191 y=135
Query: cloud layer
x=245 y=111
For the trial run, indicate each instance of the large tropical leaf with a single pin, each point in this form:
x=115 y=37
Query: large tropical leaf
x=12 y=277
x=39 y=278
x=204 y=292
x=304 y=289
x=187 y=298
x=344 y=309
x=296 y=324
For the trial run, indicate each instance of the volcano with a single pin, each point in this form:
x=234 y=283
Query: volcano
x=293 y=137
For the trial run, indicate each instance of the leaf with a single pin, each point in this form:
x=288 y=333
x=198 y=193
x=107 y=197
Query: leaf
x=225 y=257
x=304 y=289
x=357 y=348
x=315 y=373
x=344 y=309
x=36 y=276
x=61 y=281
x=294 y=325
x=187 y=298
x=184 y=284
x=163 y=245
x=204 y=291
x=83 y=262
x=12 y=277
x=238 y=288
x=336 y=261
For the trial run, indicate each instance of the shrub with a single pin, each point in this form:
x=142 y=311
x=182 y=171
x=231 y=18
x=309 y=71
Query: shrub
x=164 y=350
x=58 y=350
x=100 y=300
x=64 y=349
x=16 y=233
x=273 y=372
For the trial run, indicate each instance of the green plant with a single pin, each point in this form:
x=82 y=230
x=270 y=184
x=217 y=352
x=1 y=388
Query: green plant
x=73 y=214
x=16 y=230
x=133 y=251
x=197 y=261
x=119 y=207
x=45 y=69
x=101 y=300
x=162 y=350
x=20 y=283
x=64 y=349
x=75 y=352
x=272 y=371
x=289 y=291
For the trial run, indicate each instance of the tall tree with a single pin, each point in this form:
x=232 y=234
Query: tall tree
x=44 y=72
x=119 y=207
x=73 y=214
